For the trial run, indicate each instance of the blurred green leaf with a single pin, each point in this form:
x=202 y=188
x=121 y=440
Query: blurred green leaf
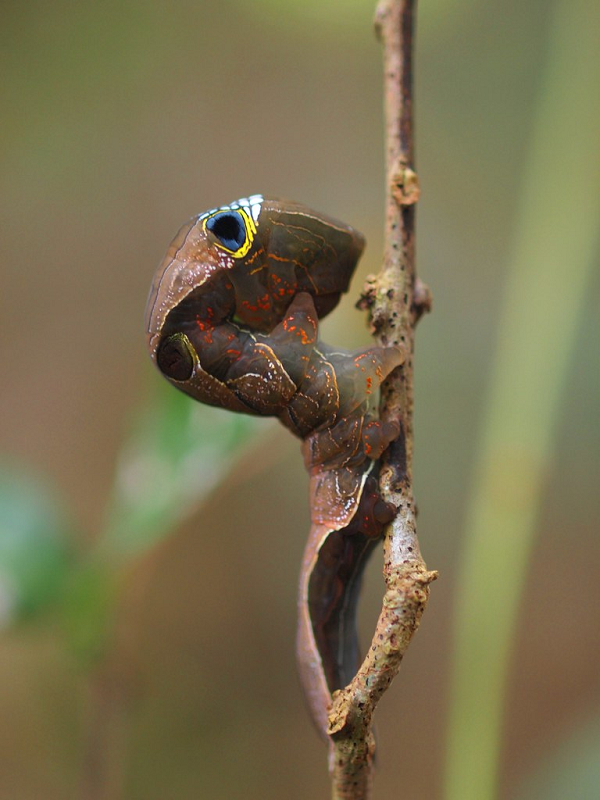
x=572 y=771
x=35 y=546
x=88 y=609
x=178 y=453
x=552 y=262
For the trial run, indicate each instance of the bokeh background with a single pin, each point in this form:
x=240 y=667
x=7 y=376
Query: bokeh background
x=149 y=550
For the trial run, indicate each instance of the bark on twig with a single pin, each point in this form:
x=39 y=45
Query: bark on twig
x=396 y=300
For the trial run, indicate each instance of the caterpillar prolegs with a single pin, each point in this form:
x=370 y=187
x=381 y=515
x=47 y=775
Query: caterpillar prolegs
x=232 y=320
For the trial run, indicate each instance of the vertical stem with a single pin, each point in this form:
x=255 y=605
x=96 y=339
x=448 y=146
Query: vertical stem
x=552 y=260
x=103 y=768
x=396 y=302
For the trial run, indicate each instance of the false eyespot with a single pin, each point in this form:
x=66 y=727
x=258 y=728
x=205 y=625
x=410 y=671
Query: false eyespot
x=234 y=226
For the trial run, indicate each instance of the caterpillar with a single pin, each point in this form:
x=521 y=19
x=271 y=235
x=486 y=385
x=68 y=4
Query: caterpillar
x=232 y=320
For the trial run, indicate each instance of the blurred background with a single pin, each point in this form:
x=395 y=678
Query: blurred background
x=149 y=550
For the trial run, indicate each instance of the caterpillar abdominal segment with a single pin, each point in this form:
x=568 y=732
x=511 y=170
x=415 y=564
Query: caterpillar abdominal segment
x=232 y=320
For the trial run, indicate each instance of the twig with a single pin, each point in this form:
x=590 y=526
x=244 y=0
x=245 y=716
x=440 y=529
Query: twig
x=396 y=301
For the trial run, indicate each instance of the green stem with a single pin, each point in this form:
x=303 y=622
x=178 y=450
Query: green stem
x=556 y=233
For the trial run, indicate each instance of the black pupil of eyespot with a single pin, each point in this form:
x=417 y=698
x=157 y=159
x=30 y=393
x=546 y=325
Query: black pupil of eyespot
x=229 y=228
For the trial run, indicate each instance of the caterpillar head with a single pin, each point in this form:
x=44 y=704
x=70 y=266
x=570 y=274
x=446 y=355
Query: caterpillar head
x=246 y=261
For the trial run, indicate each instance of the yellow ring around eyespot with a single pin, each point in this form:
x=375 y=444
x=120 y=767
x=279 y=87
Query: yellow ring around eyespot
x=249 y=226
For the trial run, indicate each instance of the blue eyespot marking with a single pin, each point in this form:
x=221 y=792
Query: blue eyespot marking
x=229 y=228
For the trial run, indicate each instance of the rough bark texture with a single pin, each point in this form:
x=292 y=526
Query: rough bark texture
x=396 y=300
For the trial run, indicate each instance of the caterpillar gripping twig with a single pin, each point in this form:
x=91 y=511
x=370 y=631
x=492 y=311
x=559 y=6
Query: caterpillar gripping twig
x=232 y=320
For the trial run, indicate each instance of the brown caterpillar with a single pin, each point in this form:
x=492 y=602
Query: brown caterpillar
x=232 y=320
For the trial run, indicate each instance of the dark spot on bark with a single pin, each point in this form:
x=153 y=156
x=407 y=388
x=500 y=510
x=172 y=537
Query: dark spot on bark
x=397 y=459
